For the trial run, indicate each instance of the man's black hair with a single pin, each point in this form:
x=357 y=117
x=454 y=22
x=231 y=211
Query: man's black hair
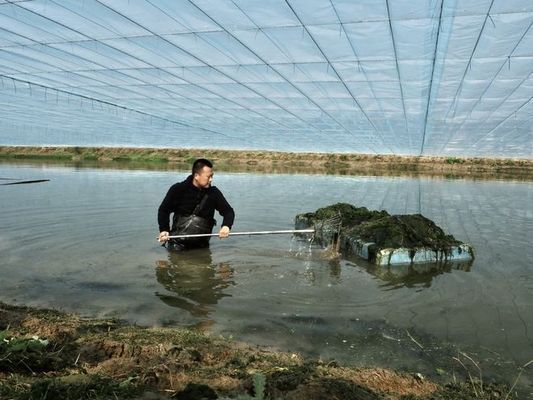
x=199 y=164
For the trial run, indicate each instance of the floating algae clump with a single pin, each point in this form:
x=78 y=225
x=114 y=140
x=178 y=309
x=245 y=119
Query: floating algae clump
x=395 y=231
x=383 y=238
x=348 y=214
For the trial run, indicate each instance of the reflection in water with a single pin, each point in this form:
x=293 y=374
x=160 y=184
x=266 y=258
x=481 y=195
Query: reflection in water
x=315 y=273
x=193 y=283
x=335 y=270
x=415 y=275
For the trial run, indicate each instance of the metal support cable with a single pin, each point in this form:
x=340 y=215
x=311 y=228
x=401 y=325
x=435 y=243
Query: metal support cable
x=398 y=72
x=107 y=103
x=431 y=81
x=460 y=87
x=310 y=100
x=50 y=45
x=528 y=122
x=340 y=79
x=509 y=116
x=108 y=85
x=214 y=68
x=58 y=69
x=515 y=133
x=502 y=121
x=271 y=66
x=451 y=137
x=370 y=85
x=153 y=66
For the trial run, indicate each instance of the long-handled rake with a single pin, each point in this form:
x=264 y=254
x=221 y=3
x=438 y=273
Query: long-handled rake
x=329 y=233
x=250 y=233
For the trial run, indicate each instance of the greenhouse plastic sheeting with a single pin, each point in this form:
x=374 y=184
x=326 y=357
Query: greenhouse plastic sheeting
x=406 y=77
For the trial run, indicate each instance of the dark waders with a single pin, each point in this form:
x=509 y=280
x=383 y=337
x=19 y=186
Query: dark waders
x=190 y=225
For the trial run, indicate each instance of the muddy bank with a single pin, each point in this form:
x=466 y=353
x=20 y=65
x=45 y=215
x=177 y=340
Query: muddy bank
x=267 y=161
x=48 y=355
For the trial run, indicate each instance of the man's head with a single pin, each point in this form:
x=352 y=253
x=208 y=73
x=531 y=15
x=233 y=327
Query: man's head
x=202 y=173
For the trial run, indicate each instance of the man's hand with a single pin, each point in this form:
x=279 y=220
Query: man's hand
x=224 y=232
x=163 y=237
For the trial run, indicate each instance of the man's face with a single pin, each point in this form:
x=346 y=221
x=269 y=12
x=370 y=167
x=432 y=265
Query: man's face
x=204 y=178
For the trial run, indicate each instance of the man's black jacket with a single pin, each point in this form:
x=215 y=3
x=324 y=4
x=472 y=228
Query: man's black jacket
x=183 y=197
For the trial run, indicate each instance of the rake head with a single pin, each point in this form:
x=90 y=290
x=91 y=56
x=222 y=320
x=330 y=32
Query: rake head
x=327 y=233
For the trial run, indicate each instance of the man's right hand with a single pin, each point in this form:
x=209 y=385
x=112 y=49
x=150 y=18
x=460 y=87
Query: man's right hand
x=163 y=237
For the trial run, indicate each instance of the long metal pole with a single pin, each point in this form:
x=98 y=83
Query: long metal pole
x=197 y=235
x=23 y=182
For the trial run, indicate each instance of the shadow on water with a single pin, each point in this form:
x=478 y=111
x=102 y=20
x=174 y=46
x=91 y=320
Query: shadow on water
x=192 y=282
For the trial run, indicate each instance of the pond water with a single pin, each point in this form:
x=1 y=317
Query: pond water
x=84 y=242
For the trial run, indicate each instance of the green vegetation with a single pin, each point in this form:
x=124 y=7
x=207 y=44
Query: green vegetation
x=349 y=215
x=70 y=387
x=340 y=225
x=381 y=228
x=23 y=353
x=269 y=161
x=394 y=231
x=89 y=155
x=259 y=381
x=37 y=156
x=454 y=160
x=190 y=159
x=50 y=355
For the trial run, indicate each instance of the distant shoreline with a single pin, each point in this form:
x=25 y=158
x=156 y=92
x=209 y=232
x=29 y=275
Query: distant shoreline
x=275 y=161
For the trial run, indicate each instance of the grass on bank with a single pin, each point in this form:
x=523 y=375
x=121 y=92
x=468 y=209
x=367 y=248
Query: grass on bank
x=260 y=159
x=49 y=355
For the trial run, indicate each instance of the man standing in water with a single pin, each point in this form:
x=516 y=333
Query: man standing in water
x=193 y=203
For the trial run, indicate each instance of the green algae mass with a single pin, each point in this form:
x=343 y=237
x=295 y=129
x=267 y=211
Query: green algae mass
x=348 y=214
x=379 y=227
x=414 y=230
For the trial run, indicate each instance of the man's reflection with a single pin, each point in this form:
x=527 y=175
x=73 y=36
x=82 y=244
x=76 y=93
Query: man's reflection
x=193 y=283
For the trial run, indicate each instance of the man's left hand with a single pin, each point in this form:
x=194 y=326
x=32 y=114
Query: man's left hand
x=224 y=232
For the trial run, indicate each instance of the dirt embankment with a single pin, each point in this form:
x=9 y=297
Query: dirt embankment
x=270 y=161
x=51 y=355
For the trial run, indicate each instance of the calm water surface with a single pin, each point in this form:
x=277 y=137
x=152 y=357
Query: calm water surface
x=85 y=242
